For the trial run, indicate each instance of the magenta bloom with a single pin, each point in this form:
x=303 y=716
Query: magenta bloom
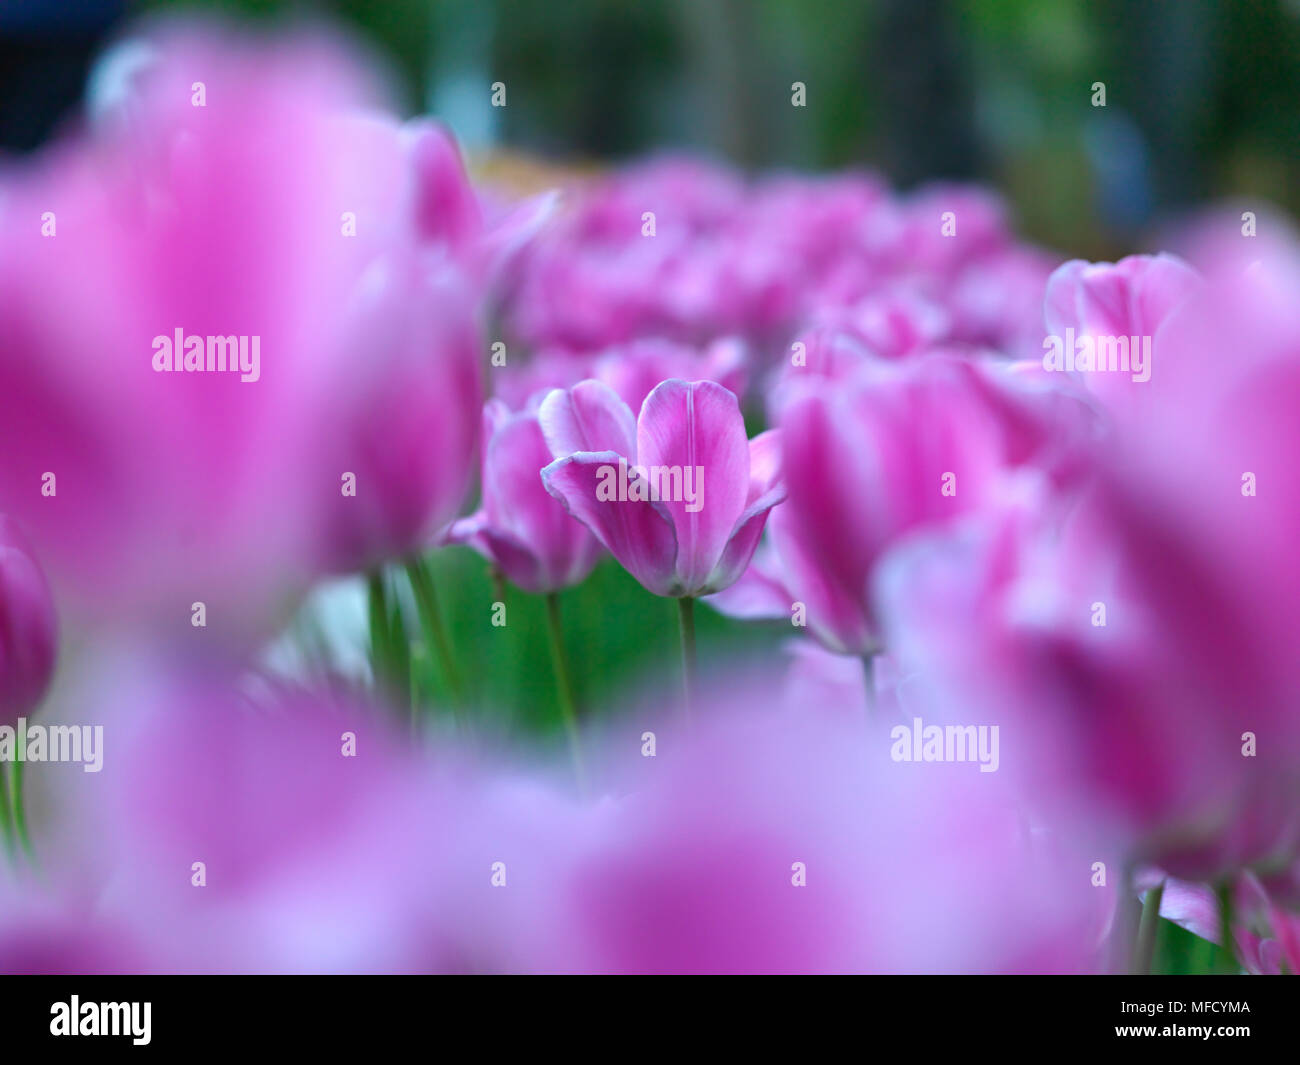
x=1132 y=296
x=679 y=496
x=270 y=229
x=1157 y=627
x=890 y=450
x=1129 y=299
x=519 y=526
x=632 y=369
x=405 y=425
x=773 y=844
x=28 y=627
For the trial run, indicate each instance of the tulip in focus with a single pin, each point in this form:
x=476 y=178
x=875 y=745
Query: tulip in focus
x=679 y=495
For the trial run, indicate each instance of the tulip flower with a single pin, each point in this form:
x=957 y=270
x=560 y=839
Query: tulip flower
x=679 y=495
x=520 y=528
x=918 y=444
x=631 y=369
x=774 y=843
x=272 y=221
x=1078 y=634
x=1126 y=301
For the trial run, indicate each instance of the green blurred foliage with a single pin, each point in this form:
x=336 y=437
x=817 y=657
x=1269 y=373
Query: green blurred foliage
x=620 y=641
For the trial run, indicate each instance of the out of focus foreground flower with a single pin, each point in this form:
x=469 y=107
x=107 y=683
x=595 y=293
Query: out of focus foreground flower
x=28 y=627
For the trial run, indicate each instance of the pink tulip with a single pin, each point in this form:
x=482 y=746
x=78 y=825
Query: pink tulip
x=678 y=495
x=520 y=527
x=597 y=278
x=481 y=231
x=403 y=425
x=297 y=808
x=230 y=219
x=1129 y=299
x=632 y=369
x=771 y=843
x=1153 y=634
x=917 y=445
x=28 y=627
x=894 y=324
x=326 y=847
x=996 y=301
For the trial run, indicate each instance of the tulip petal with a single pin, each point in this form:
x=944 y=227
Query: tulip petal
x=696 y=429
x=764 y=463
x=757 y=593
x=740 y=547
x=638 y=533
x=590 y=416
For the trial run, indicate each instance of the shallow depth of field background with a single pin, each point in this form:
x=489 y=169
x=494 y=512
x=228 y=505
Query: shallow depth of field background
x=1202 y=106
x=1202 y=100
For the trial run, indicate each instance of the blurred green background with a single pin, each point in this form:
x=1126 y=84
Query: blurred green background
x=1201 y=95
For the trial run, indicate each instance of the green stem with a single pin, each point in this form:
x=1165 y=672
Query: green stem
x=686 y=614
x=1145 y=947
x=498 y=584
x=6 y=814
x=381 y=649
x=426 y=601
x=1229 y=955
x=19 y=808
x=564 y=681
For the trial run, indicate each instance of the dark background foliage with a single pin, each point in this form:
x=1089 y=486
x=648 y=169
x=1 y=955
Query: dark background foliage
x=1202 y=99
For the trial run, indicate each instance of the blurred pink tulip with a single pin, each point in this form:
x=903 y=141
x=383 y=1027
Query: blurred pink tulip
x=28 y=627
x=403 y=430
x=520 y=527
x=1129 y=299
x=234 y=219
x=631 y=369
x=771 y=843
x=678 y=495
x=915 y=445
x=323 y=846
x=1156 y=628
